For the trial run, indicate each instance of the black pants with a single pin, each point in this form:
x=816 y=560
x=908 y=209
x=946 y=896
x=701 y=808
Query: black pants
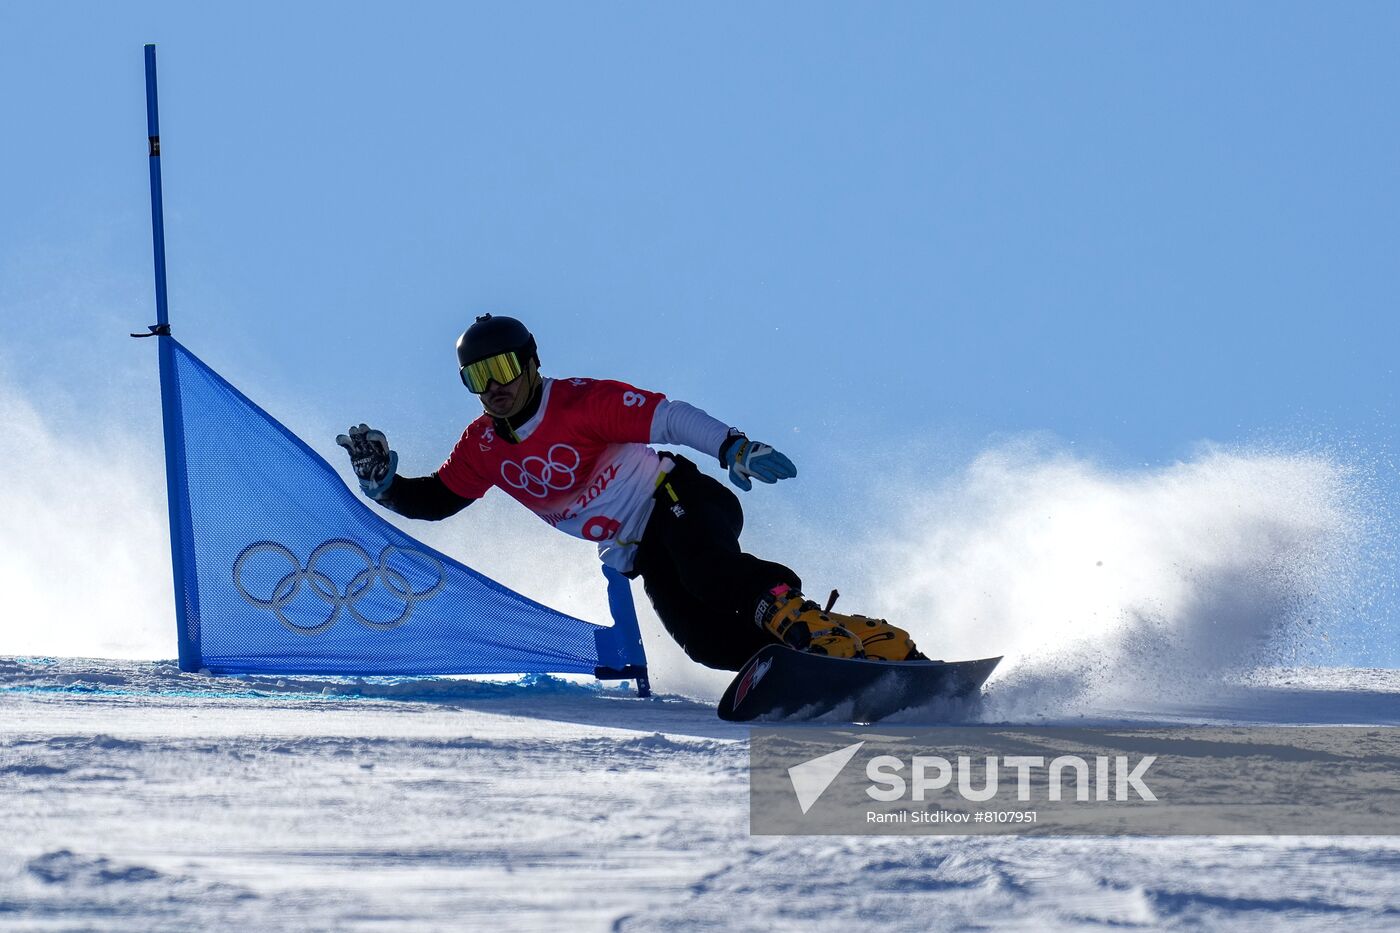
x=703 y=587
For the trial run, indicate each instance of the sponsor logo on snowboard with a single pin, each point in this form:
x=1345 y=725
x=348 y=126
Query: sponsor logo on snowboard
x=751 y=679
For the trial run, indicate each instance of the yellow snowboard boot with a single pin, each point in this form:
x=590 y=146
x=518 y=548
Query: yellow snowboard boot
x=791 y=616
x=801 y=624
x=881 y=640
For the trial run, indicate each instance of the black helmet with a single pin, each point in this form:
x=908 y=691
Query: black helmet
x=492 y=335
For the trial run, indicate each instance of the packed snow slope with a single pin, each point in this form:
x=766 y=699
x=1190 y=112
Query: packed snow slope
x=137 y=797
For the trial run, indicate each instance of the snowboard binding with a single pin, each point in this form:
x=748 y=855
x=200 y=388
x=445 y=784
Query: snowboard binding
x=802 y=624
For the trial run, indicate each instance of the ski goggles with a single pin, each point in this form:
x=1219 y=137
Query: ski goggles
x=502 y=368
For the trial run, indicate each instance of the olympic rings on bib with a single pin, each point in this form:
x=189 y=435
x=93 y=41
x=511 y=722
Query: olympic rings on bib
x=537 y=476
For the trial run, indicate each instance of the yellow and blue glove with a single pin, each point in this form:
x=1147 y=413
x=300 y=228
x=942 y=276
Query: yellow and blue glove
x=747 y=460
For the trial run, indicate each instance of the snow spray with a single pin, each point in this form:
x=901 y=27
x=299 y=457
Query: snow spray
x=1105 y=586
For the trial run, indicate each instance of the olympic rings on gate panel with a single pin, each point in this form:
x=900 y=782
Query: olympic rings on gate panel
x=324 y=587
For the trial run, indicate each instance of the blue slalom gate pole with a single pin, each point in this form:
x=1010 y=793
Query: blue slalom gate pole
x=157 y=208
x=620 y=650
x=176 y=483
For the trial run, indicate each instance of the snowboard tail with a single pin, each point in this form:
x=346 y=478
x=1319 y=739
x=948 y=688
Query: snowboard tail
x=779 y=682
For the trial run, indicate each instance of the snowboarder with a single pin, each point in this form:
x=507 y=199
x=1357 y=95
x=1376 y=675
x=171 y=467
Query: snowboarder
x=574 y=452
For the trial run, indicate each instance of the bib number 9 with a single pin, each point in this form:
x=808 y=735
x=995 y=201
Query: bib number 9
x=601 y=528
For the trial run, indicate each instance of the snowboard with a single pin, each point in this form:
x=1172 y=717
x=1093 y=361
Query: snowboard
x=780 y=682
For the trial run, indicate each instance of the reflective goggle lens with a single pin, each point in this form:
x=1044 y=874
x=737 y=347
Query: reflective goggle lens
x=502 y=368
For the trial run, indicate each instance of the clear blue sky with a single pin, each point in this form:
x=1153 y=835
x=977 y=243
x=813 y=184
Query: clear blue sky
x=1135 y=227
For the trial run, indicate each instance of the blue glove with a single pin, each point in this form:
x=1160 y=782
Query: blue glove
x=745 y=458
x=371 y=457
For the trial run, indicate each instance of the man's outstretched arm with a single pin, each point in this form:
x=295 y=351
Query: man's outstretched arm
x=678 y=422
x=425 y=497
